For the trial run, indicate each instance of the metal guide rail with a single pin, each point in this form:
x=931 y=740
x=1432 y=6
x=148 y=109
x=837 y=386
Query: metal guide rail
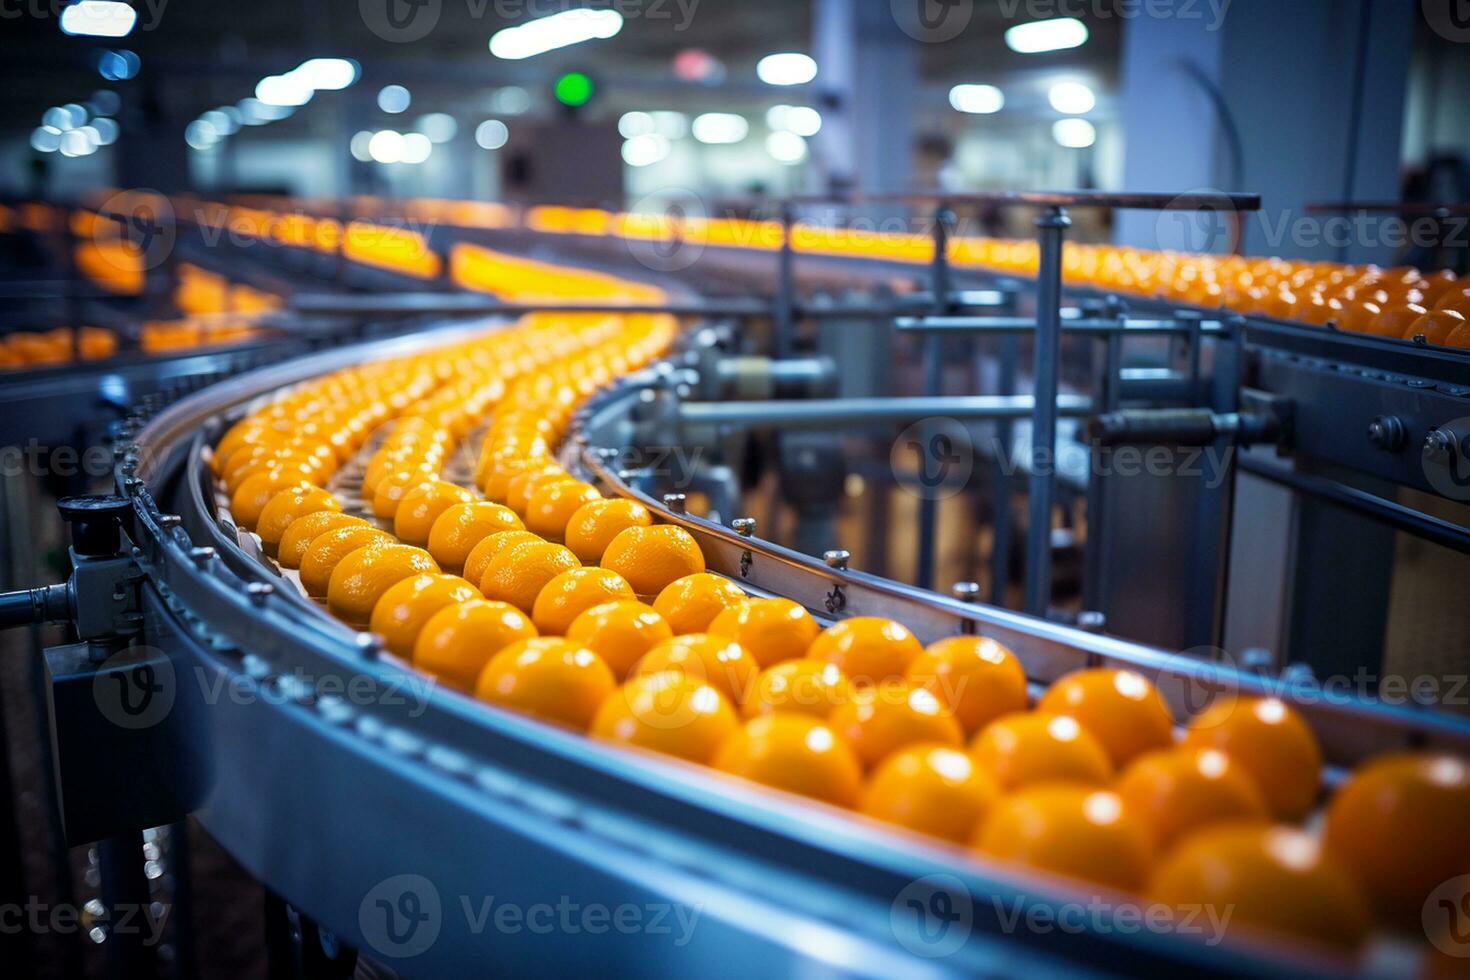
x=332 y=773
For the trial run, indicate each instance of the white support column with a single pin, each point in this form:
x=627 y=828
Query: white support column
x=1300 y=102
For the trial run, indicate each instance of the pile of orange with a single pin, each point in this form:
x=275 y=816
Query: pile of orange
x=534 y=593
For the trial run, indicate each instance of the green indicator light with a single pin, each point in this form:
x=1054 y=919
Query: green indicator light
x=573 y=89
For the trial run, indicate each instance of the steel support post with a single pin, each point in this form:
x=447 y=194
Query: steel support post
x=1052 y=225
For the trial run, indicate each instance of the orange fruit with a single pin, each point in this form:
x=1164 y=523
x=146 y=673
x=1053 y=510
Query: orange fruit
x=462 y=526
x=300 y=533
x=715 y=660
x=772 y=630
x=1121 y=708
x=548 y=677
x=489 y=547
x=691 y=603
x=407 y=605
x=619 y=632
x=796 y=753
x=669 y=713
x=1435 y=326
x=932 y=789
x=1395 y=320
x=329 y=548
x=652 y=557
x=804 y=686
x=1269 y=740
x=552 y=505
x=362 y=576
x=573 y=592
x=1074 y=831
x=1277 y=879
x=1031 y=747
x=286 y=506
x=1175 y=791
x=421 y=507
x=1456 y=298
x=975 y=677
x=1398 y=824
x=251 y=496
x=458 y=640
x=869 y=650
x=522 y=485
x=882 y=718
x=397 y=485
x=595 y=523
x=496 y=479
x=518 y=573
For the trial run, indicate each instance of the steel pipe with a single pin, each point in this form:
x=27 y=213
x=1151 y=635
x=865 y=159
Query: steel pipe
x=819 y=412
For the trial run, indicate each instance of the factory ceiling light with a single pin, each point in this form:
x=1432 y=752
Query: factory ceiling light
x=1072 y=98
x=786 y=147
x=802 y=120
x=788 y=68
x=326 y=74
x=491 y=134
x=1075 y=134
x=283 y=90
x=99 y=18
x=386 y=146
x=394 y=99
x=720 y=127
x=641 y=151
x=557 y=31
x=980 y=99
x=1040 y=36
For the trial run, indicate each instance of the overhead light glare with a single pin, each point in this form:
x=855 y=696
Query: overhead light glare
x=787 y=68
x=557 y=31
x=99 y=18
x=1040 y=36
x=720 y=127
x=977 y=99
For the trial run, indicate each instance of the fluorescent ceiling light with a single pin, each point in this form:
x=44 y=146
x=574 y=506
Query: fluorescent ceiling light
x=283 y=90
x=491 y=134
x=1072 y=98
x=386 y=146
x=1075 y=134
x=98 y=18
x=1039 y=36
x=641 y=151
x=788 y=68
x=557 y=31
x=786 y=147
x=979 y=99
x=720 y=127
x=802 y=120
x=327 y=74
x=416 y=148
